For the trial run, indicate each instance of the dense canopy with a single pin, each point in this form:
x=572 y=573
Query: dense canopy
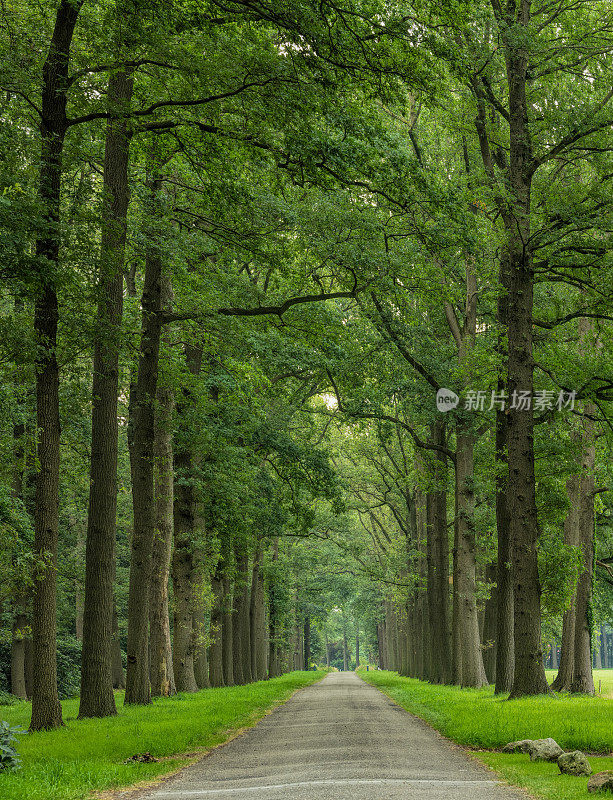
x=306 y=345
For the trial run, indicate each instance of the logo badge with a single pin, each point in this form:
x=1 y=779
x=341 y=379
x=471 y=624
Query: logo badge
x=446 y=400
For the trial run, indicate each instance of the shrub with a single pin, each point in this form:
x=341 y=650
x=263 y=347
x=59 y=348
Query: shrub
x=9 y=759
x=68 y=666
x=8 y=699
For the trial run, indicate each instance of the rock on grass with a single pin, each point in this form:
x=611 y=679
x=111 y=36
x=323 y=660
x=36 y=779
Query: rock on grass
x=520 y=746
x=601 y=782
x=574 y=763
x=538 y=749
x=544 y=750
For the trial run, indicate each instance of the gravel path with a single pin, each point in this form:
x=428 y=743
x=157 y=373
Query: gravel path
x=340 y=739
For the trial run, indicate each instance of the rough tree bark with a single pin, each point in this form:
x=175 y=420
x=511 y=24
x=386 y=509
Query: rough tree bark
x=183 y=561
x=274 y=648
x=529 y=677
x=583 y=680
x=97 y=699
x=243 y=644
x=161 y=672
x=201 y=661
x=472 y=672
x=307 y=641
x=119 y=678
x=141 y=439
x=20 y=618
x=257 y=619
x=216 y=676
x=488 y=639
x=469 y=670
x=46 y=708
x=18 y=655
x=505 y=638
x=564 y=678
x=438 y=564
x=226 y=626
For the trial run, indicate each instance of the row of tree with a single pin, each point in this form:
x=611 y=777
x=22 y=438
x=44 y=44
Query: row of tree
x=245 y=248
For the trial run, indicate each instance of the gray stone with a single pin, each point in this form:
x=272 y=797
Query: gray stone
x=601 y=782
x=544 y=750
x=574 y=763
x=520 y=746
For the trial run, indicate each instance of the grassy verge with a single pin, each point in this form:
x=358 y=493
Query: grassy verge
x=541 y=779
x=477 y=719
x=88 y=755
x=603 y=680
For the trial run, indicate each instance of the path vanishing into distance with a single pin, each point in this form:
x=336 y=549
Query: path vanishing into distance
x=340 y=739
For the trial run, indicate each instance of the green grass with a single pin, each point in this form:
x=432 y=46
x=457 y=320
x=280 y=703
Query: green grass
x=477 y=719
x=604 y=676
x=88 y=755
x=541 y=779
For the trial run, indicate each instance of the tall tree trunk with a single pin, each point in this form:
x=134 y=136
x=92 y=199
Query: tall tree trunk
x=390 y=637
x=255 y=601
x=408 y=623
x=583 y=680
x=183 y=561
x=20 y=617
x=227 y=625
x=46 y=708
x=381 y=663
x=29 y=666
x=505 y=639
x=141 y=439
x=216 y=676
x=161 y=671
x=241 y=627
x=243 y=617
x=564 y=678
x=554 y=654
x=307 y=642
x=97 y=699
x=488 y=641
x=421 y=634
x=18 y=655
x=79 y=589
x=456 y=642
x=438 y=565
x=183 y=580
x=357 y=644
x=298 y=649
x=467 y=646
x=274 y=646
x=119 y=678
x=529 y=675
x=260 y=644
x=201 y=661
x=472 y=672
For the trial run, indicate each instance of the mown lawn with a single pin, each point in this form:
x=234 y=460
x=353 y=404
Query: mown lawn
x=541 y=779
x=478 y=719
x=88 y=755
x=604 y=677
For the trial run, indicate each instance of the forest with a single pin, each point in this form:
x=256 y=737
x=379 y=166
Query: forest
x=306 y=345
